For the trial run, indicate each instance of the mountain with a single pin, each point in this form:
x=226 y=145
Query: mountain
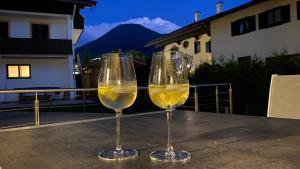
x=124 y=37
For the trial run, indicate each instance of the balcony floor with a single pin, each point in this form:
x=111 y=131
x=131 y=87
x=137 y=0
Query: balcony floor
x=214 y=140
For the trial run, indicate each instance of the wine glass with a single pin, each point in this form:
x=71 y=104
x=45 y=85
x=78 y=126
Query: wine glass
x=169 y=88
x=117 y=90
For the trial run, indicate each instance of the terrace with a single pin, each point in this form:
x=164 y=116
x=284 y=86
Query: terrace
x=215 y=140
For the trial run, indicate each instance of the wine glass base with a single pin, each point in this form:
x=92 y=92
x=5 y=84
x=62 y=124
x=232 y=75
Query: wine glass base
x=180 y=156
x=113 y=155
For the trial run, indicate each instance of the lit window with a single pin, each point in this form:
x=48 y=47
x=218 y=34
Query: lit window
x=18 y=71
x=24 y=71
x=13 y=71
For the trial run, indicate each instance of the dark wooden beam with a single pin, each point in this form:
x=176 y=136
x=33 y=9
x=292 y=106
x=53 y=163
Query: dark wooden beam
x=36 y=46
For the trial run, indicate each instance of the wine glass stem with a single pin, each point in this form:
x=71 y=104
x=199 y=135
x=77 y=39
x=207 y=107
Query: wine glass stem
x=118 y=140
x=170 y=149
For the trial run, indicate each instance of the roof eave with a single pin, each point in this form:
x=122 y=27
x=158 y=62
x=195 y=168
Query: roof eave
x=90 y=3
x=191 y=30
x=180 y=32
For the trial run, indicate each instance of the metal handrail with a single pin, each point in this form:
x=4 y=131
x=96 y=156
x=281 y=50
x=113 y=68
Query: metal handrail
x=210 y=85
x=194 y=86
x=12 y=91
x=47 y=90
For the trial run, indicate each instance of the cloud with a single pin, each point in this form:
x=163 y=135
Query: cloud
x=92 y=32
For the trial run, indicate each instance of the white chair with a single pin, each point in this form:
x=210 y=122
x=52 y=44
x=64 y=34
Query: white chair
x=284 y=97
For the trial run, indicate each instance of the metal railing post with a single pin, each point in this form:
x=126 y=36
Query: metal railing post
x=217 y=100
x=84 y=101
x=230 y=100
x=196 y=100
x=37 y=110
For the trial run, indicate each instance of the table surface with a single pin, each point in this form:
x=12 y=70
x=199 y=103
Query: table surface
x=214 y=140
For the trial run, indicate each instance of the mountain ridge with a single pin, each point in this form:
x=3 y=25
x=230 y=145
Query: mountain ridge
x=125 y=37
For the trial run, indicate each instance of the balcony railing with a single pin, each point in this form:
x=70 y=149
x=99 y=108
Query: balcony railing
x=35 y=46
x=203 y=97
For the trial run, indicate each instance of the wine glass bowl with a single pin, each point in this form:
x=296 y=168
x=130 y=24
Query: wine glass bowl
x=169 y=88
x=118 y=96
x=117 y=90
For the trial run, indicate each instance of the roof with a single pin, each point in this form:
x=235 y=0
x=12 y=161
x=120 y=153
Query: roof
x=79 y=2
x=47 y=6
x=194 y=29
x=197 y=28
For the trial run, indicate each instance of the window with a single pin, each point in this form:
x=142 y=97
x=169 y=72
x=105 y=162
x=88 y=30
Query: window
x=298 y=10
x=274 y=17
x=3 y=30
x=185 y=44
x=40 y=31
x=208 y=47
x=197 y=47
x=18 y=71
x=243 y=26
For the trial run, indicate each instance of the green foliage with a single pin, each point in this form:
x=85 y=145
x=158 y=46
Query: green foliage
x=138 y=55
x=251 y=80
x=86 y=57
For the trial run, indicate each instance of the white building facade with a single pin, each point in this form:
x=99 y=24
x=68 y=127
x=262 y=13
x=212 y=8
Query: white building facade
x=199 y=47
x=260 y=28
x=255 y=35
x=37 y=46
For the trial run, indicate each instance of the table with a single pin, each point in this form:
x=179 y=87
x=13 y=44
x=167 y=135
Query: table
x=214 y=140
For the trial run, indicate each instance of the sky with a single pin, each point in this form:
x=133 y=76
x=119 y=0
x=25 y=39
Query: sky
x=163 y=16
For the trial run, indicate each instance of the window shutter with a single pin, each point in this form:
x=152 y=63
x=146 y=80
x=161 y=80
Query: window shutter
x=197 y=47
x=3 y=30
x=40 y=31
x=262 y=19
x=286 y=14
x=45 y=31
x=232 y=29
x=252 y=23
x=298 y=10
x=235 y=28
x=208 y=47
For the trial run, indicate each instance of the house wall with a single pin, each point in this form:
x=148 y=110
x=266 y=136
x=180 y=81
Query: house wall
x=199 y=58
x=262 y=43
x=52 y=72
x=47 y=71
x=20 y=25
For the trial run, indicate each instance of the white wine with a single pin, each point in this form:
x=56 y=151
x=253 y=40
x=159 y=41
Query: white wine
x=119 y=95
x=165 y=96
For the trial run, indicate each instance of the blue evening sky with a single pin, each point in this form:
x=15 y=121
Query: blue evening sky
x=163 y=16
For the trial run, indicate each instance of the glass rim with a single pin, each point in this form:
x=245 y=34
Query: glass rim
x=158 y=53
x=115 y=54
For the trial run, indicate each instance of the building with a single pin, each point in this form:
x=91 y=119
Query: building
x=259 y=28
x=193 y=39
x=37 y=43
x=90 y=73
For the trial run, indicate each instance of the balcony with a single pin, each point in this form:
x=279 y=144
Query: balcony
x=35 y=46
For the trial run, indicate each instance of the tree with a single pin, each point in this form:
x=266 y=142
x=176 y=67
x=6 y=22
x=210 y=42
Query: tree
x=86 y=57
x=138 y=55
